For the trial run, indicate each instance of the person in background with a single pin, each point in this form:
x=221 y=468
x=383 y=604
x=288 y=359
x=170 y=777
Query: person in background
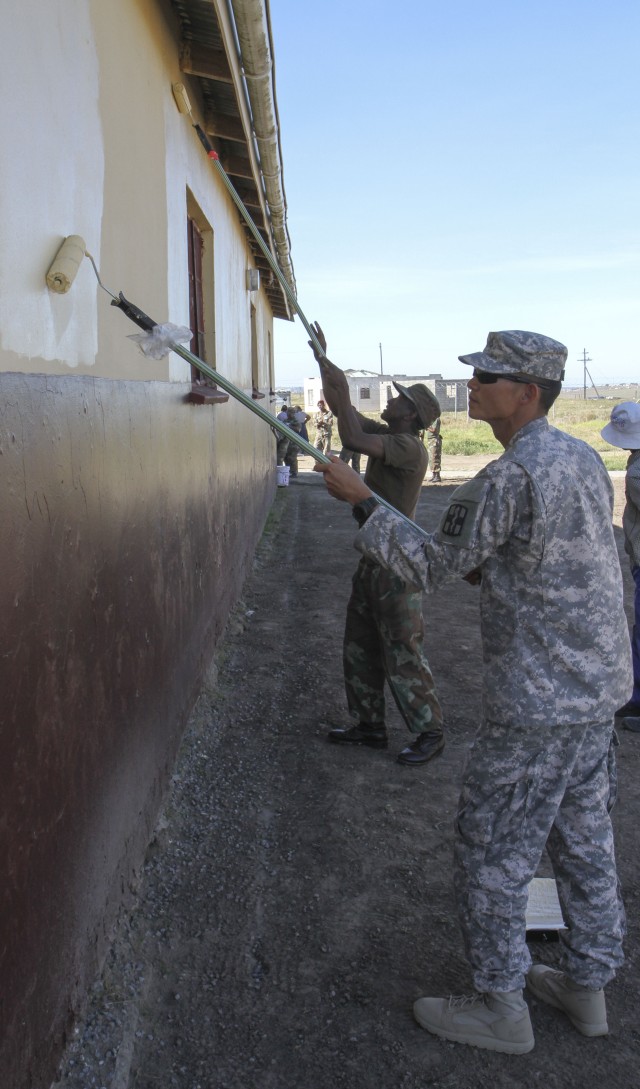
x=350 y=457
x=534 y=531
x=303 y=420
x=623 y=430
x=297 y=420
x=282 y=442
x=434 y=446
x=324 y=428
x=383 y=638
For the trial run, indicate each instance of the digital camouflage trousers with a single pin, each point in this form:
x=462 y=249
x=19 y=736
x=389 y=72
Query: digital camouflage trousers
x=525 y=789
x=383 y=640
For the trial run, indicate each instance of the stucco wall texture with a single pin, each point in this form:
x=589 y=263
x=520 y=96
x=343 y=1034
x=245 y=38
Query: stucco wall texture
x=129 y=521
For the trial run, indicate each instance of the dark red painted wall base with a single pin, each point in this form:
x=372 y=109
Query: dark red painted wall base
x=128 y=521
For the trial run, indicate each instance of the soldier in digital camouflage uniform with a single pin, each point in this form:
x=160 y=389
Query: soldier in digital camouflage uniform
x=534 y=529
x=623 y=431
x=384 y=625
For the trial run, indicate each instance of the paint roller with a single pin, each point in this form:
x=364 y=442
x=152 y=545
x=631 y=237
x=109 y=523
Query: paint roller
x=66 y=263
x=64 y=267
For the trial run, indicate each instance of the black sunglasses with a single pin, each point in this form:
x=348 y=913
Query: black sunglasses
x=487 y=378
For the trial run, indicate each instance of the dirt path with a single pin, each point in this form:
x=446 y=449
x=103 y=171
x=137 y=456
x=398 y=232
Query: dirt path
x=298 y=897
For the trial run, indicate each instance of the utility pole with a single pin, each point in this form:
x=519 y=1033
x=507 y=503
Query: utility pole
x=585 y=359
x=380 y=347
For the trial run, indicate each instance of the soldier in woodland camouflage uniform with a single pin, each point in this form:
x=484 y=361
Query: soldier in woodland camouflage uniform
x=434 y=443
x=534 y=529
x=297 y=420
x=384 y=626
x=324 y=426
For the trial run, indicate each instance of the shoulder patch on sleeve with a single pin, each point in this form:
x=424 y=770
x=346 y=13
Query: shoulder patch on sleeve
x=458 y=521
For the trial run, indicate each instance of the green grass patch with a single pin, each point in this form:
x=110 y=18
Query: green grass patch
x=583 y=419
x=468 y=437
x=615 y=461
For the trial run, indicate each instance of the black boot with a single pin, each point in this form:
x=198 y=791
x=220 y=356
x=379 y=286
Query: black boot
x=365 y=733
x=424 y=748
x=630 y=710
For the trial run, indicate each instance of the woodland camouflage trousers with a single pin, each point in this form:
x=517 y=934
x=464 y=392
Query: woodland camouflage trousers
x=435 y=454
x=383 y=640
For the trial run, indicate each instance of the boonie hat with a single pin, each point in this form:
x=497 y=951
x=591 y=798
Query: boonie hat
x=423 y=400
x=623 y=428
x=528 y=355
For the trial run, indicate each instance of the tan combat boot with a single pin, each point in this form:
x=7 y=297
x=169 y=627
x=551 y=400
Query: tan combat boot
x=497 y=1021
x=585 y=1009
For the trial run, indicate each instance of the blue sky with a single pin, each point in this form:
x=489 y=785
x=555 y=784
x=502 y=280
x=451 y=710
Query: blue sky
x=458 y=167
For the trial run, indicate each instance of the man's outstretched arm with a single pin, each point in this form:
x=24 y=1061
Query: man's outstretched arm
x=336 y=391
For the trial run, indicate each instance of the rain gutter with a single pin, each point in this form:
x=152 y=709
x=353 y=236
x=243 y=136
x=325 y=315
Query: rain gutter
x=252 y=22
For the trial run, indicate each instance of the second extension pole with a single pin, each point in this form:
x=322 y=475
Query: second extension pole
x=228 y=184
x=148 y=324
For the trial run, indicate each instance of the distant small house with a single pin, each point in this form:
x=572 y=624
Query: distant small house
x=370 y=392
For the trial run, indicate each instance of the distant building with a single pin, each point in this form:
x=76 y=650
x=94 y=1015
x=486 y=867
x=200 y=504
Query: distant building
x=370 y=391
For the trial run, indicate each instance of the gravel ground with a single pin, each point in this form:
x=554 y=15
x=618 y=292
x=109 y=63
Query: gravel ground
x=297 y=897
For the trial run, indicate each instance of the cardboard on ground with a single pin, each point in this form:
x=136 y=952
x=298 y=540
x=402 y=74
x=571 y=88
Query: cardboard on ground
x=543 y=907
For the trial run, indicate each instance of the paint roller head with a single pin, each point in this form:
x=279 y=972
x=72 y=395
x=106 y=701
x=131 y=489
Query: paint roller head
x=181 y=97
x=65 y=264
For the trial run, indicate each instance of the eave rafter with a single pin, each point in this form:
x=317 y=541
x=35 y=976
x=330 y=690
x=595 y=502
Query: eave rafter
x=204 y=58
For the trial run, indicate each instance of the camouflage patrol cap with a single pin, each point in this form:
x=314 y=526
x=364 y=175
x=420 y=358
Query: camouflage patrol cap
x=423 y=400
x=623 y=428
x=527 y=355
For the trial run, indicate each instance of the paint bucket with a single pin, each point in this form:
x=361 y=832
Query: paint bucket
x=283 y=475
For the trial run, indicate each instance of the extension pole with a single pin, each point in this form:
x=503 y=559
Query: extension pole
x=228 y=184
x=273 y=421
x=148 y=324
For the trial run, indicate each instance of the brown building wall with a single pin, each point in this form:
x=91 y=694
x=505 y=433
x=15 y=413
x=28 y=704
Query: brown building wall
x=128 y=521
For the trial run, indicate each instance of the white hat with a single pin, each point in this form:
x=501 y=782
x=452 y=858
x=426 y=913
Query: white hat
x=624 y=428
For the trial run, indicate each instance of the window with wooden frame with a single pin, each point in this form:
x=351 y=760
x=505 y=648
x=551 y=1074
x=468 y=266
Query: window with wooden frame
x=195 y=247
x=255 y=357
x=201 y=303
x=272 y=377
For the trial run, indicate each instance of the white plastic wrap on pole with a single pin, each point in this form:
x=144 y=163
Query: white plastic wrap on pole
x=159 y=342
